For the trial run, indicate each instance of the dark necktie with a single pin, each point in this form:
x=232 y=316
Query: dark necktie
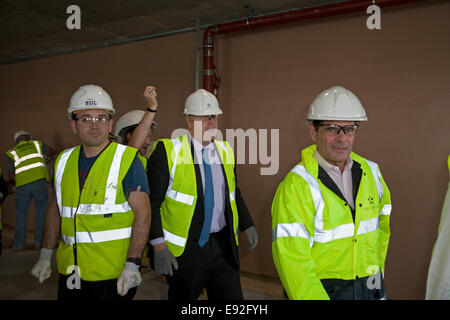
x=209 y=200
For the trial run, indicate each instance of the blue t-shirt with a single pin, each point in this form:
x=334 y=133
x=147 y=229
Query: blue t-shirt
x=135 y=179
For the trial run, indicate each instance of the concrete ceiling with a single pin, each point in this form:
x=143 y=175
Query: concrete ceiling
x=31 y=29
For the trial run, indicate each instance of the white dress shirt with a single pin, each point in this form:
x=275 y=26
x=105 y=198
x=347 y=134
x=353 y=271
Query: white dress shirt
x=218 y=179
x=343 y=180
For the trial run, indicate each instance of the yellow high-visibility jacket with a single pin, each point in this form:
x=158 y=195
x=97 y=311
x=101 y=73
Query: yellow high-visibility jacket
x=314 y=236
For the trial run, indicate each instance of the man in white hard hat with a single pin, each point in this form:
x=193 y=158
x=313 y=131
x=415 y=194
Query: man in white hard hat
x=330 y=215
x=100 y=208
x=197 y=208
x=27 y=170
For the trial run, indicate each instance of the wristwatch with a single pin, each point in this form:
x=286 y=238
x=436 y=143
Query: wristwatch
x=136 y=261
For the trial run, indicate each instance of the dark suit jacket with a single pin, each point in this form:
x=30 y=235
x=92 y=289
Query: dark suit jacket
x=158 y=178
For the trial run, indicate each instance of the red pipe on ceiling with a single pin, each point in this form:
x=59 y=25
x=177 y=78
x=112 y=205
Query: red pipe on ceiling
x=210 y=75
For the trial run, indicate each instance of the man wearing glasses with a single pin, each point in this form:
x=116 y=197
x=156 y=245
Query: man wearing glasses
x=330 y=215
x=197 y=208
x=100 y=208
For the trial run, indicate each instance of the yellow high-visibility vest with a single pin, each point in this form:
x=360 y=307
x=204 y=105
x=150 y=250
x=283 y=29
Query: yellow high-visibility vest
x=28 y=161
x=96 y=223
x=178 y=206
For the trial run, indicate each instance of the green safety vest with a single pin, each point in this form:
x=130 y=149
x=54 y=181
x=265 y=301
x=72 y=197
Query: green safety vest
x=313 y=233
x=28 y=161
x=179 y=203
x=96 y=224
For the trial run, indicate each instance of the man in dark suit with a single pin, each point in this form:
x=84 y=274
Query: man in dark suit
x=197 y=208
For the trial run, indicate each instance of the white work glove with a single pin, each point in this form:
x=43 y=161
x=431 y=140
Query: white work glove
x=129 y=278
x=42 y=269
x=252 y=237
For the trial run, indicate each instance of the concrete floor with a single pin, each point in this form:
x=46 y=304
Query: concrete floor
x=16 y=282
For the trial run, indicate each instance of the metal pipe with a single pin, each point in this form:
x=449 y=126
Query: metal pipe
x=277 y=19
x=197 y=52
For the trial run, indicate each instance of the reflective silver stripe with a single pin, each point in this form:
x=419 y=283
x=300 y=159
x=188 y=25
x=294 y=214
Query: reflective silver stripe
x=387 y=208
x=340 y=232
x=18 y=160
x=180 y=197
x=27 y=157
x=377 y=176
x=386 y=211
x=173 y=238
x=291 y=230
x=58 y=176
x=318 y=204
x=70 y=241
x=173 y=194
x=103 y=208
x=369 y=225
x=113 y=176
x=16 y=157
x=30 y=166
x=99 y=236
x=94 y=209
x=321 y=235
x=38 y=147
x=233 y=195
x=67 y=212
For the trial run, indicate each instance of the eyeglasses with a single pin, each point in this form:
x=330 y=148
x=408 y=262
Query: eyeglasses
x=85 y=120
x=207 y=118
x=334 y=129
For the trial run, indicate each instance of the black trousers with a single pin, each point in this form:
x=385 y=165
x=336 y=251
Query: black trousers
x=92 y=290
x=208 y=267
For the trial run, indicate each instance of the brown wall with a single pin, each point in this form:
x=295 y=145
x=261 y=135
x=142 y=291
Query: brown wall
x=401 y=74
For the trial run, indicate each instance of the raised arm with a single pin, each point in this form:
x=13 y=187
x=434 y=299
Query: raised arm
x=143 y=129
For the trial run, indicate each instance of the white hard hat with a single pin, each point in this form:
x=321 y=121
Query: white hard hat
x=201 y=103
x=20 y=133
x=131 y=118
x=90 y=97
x=336 y=103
